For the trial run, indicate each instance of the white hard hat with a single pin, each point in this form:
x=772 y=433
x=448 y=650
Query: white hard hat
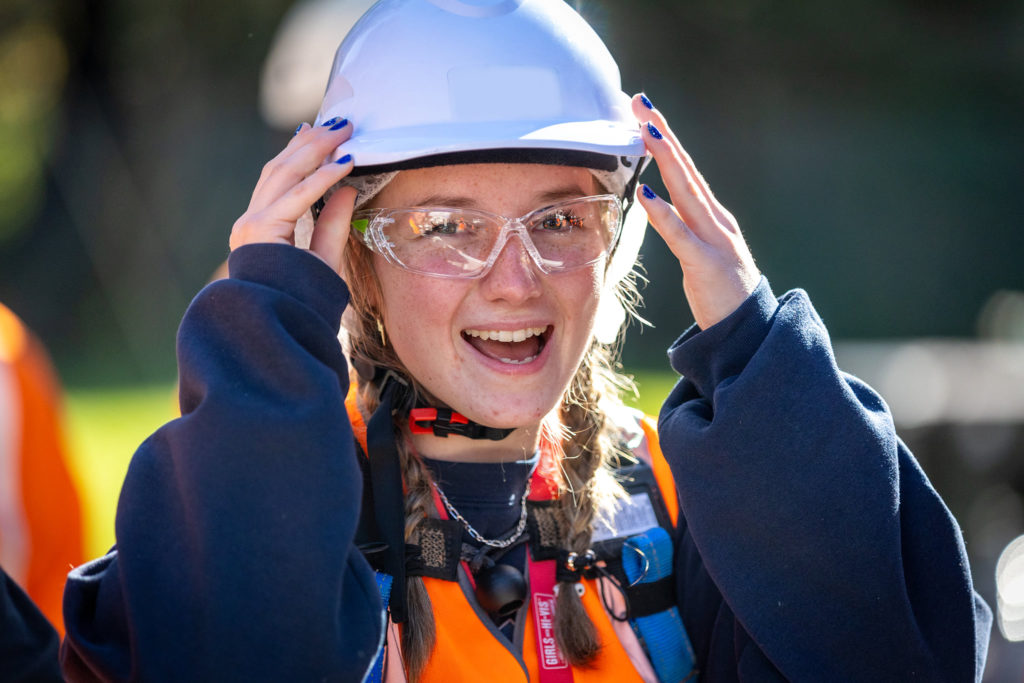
x=438 y=82
x=421 y=78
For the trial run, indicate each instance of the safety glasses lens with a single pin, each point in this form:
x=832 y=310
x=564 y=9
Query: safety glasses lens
x=462 y=242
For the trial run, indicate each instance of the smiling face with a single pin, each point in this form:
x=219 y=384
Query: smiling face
x=500 y=349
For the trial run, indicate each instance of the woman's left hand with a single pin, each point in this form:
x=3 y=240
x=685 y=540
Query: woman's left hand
x=718 y=269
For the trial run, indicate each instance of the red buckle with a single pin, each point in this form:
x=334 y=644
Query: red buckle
x=420 y=420
x=423 y=420
x=444 y=421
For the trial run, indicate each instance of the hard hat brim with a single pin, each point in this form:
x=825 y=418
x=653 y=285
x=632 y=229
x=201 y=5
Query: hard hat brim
x=398 y=149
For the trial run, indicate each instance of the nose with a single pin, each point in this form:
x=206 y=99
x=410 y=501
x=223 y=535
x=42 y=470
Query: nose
x=514 y=277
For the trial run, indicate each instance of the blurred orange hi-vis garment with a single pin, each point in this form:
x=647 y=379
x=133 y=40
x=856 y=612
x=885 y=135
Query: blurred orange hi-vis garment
x=40 y=516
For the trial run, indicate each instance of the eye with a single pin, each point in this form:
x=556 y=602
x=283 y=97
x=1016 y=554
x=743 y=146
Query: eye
x=443 y=226
x=561 y=221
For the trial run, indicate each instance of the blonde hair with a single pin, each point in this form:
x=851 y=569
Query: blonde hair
x=586 y=438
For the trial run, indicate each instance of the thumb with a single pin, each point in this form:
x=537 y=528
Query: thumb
x=330 y=234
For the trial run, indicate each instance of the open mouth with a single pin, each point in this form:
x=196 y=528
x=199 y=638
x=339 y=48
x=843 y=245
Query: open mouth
x=515 y=347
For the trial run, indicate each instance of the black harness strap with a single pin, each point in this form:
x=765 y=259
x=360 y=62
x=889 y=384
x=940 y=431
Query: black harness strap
x=645 y=599
x=388 y=499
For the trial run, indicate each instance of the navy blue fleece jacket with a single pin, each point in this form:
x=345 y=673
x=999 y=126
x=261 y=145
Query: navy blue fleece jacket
x=28 y=643
x=813 y=547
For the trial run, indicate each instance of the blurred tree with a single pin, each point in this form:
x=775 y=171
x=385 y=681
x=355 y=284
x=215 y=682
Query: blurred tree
x=872 y=152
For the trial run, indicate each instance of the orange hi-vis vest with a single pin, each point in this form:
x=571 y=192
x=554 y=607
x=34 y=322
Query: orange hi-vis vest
x=467 y=646
x=40 y=518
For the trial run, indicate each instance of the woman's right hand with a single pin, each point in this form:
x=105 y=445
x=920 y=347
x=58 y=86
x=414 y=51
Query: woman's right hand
x=290 y=183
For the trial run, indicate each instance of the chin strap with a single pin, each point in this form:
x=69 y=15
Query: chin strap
x=444 y=421
x=424 y=419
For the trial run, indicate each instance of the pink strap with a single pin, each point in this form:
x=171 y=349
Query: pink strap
x=553 y=666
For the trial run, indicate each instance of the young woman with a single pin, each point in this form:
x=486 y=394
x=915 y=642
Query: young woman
x=456 y=492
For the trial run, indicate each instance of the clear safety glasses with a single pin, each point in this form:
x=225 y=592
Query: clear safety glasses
x=465 y=243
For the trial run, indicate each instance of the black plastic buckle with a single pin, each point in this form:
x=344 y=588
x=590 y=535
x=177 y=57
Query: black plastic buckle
x=444 y=421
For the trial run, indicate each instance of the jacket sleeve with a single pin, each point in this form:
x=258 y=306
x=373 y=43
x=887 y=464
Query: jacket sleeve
x=235 y=526
x=28 y=643
x=813 y=547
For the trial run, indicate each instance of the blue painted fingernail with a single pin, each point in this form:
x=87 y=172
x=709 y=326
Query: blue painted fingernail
x=646 y=102
x=655 y=133
x=648 y=192
x=330 y=122
x=298 y=129
x=339 y=125
x=344 y=160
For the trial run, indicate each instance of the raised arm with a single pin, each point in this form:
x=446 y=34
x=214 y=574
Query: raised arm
x=834 y=556
x=815 y=547
x=235 y=556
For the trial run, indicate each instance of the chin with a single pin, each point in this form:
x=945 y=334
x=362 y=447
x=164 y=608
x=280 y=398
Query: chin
x=506 y=414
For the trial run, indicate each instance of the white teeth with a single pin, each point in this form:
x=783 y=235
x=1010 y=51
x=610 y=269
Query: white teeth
x=518 y=362
x=508 y=335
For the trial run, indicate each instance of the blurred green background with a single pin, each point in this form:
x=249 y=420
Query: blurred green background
x=872 y=151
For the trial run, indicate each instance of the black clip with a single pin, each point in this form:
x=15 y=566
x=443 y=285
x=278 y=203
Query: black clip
x=444 y=421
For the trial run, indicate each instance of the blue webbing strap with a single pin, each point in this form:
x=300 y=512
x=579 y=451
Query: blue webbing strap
x=384 y=586
x=647 y=557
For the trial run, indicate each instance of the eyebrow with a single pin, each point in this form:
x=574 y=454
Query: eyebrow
x=558 y=194
x=455 y=201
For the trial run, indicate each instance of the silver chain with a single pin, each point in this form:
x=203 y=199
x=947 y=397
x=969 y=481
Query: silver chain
x=502 y=543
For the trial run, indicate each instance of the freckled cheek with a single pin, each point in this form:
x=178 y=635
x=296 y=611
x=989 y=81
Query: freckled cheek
x=580 y=296
x=418 y=321
x=590 y=280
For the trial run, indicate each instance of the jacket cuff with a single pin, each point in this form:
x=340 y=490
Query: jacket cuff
x=708 y=357
x=277 y=265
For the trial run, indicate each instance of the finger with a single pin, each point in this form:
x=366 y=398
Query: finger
x=643 y=108
x=295 y=201
x=276 y=222
x=297 y=139
x=683 y=188
x=716 y=281
x=646 y=112
x=304 y=154
x=330 y=234
x=305 y=132
x=666 y=221
x=722 y=215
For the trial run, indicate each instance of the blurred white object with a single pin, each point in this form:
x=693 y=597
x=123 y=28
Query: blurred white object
x=296 y=69
x=929 y=381
x=1002 y=316
x=1010 y=590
